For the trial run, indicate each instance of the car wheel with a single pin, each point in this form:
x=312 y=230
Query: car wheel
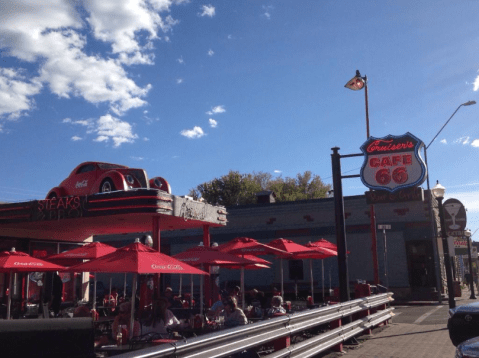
x=107 y=186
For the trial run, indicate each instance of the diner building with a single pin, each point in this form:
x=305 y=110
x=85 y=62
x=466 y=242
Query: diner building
x=410 y=259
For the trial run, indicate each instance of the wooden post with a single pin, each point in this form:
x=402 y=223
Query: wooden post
x=333 y=325
x=281 y=343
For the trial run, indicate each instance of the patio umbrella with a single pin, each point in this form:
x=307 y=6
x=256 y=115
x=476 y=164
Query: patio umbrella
x=248 y=246
x=16 y=261
x=297 y=252
x=202 y=255
x=89 y=251
x=319 y=245
x=137 y=258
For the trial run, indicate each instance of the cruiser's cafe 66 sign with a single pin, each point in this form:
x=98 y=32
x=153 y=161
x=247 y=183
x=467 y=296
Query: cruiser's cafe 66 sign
x=393 y=163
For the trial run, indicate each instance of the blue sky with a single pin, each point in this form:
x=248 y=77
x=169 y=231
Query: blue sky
x=189 y=90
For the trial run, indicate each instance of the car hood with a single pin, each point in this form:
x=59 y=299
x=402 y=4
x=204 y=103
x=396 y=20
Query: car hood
x=469 y=308
x=469 y=348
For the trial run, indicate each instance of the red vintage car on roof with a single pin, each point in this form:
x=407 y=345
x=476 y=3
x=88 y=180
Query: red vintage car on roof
x=97 y=177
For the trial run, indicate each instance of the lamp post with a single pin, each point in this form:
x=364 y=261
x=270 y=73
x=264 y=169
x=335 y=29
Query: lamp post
x=438 y=191
x=467 y=234
x=433 y=228
x=358 y=83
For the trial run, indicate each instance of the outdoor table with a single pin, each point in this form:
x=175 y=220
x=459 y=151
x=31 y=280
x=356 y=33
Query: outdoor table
x=106 y=311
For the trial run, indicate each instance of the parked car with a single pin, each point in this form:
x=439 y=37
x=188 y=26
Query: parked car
x=97 y=177
x=468 y=349
x=463 y=323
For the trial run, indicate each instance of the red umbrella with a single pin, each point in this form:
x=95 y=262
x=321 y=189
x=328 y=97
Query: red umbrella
x=296 y=251
x=202 y=255
x=16 y=261
x=248 y=246
x=89 y=251
x=138 y=259
x=323 y=244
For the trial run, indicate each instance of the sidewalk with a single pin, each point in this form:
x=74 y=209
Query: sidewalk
x=403 y=340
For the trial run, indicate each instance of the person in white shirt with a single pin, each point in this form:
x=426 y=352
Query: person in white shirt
x=161 y=319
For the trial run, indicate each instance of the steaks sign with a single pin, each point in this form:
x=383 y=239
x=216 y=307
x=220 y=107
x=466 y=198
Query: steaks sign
x=392 y=163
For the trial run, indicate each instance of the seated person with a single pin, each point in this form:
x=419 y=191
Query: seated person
x=161 y=319
x=234 y=316
x=124 y=318
x=169 y=296
x=81 y=311
x=276 y=307
x=236 y=293
x=218 y=306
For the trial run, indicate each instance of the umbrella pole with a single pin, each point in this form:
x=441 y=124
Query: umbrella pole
x=282 y=278
x=73 y=290
x=133 y=297
x=322 y=276
x=9 y=303
x=201 y=292
x=27 y=289
x=124 y=287
x=191 y=297
x=94 y=291
x=181 y=283
x=312 y=282
x=242 y=287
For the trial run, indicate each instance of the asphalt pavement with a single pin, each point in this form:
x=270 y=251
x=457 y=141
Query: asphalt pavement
x=416 y=330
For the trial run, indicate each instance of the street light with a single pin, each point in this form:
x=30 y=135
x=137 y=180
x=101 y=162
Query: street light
x=358 y=83
x=438 y=191
x=433 y=228
x=468 y=234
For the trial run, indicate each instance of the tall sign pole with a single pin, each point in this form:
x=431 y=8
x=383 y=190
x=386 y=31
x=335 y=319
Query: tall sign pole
x=343 y=275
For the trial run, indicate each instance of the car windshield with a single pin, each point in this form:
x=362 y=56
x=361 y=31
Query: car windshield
x=110 y=166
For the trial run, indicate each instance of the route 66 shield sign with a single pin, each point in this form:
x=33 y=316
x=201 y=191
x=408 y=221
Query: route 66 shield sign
x=393 y=162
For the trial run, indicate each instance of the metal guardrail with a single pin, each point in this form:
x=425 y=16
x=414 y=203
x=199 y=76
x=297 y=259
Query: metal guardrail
x=234 y=340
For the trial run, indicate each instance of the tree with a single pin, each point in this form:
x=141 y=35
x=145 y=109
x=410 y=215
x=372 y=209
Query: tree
x=238 y=189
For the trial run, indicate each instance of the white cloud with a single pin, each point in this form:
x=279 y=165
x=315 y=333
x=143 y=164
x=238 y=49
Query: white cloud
x=443 y=141
x=277 y=171
x=47 y=34
x=76 y=138
x=16 y=92
x=462 y=140
x=216 y=110
x=118 y=131
x=137 y=158
x=208 y=10
x=180 y=60
x=267 y=11
x=179 y=81
x=475 y=143
x=145 y=139
x=230 y=37
x=211 y=52
x=194 y=133
x=213 y=123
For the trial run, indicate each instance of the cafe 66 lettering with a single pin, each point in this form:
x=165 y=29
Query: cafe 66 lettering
x=392 y=163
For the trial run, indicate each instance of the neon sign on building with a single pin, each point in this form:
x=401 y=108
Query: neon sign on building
x=392 y=163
